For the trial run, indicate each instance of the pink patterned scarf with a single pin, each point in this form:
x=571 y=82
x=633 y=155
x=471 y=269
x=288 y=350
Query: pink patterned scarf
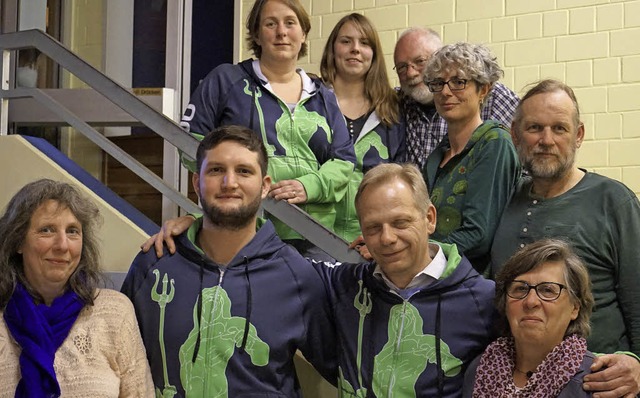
x=494 y=376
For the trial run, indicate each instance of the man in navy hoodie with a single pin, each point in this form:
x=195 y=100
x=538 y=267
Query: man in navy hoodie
x=224 y=315
x=410 y=321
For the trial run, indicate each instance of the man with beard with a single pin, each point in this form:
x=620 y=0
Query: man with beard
x=598 y=215
x=224 y=315
x=425 y=128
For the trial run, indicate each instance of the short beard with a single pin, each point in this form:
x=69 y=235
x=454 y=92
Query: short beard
x=554 y=171
x=420 y=94
x=232 y=220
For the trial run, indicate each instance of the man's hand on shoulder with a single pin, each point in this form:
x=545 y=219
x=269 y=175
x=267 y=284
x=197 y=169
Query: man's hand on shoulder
x=170 y=228
x=614 y=375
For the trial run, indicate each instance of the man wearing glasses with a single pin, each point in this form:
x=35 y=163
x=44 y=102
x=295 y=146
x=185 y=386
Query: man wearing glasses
x=598 y=215
x=425 y=128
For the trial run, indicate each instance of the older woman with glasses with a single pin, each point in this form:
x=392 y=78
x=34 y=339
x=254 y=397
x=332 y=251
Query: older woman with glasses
x=543 y=296
x=473 y=170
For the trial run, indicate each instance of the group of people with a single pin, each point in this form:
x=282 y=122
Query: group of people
x=222 y=309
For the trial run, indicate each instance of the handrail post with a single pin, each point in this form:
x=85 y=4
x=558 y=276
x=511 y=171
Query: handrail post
x=4 y=102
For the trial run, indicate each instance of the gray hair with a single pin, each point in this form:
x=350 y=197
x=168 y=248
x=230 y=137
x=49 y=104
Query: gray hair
x=427 y=33
x=544 y=87
x=576 y=278
x=14 y=225
x=474 y=61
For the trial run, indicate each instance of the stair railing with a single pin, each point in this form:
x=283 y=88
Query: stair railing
x=144 y=113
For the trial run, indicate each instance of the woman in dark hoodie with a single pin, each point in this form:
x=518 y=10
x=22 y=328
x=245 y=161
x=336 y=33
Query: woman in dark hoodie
x=311 y=157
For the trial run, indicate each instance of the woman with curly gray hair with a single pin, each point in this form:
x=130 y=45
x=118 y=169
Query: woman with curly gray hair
x=59 y=333
x=543 y=296
x=473 y=170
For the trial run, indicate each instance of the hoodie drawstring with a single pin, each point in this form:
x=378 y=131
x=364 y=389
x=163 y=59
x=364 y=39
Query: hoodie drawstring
x=197 y=346
x=253 y=106
x=332 y=154
x=247 y=318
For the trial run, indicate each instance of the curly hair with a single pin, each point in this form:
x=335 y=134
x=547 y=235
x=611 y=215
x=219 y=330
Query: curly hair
x=15 y=223
x=253 y=24
x=576 y=278
x=384 y=99
x=472 y=61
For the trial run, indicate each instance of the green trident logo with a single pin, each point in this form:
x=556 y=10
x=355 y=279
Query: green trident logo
x=363 y=304
x=162 y=299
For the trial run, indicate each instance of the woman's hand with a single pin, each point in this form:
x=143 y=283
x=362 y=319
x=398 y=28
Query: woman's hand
x=290 y=190
x=359 y=245
x=169 y=229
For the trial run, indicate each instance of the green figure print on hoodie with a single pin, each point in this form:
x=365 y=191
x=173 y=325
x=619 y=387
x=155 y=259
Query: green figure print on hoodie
x=406 y=355
x=220 y=334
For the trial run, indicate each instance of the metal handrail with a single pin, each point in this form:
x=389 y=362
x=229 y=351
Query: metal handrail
x=97 y=80
x=123 y=157
x=160 y=124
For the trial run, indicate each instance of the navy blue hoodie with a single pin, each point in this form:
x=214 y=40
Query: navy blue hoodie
x=388 y=346
x=255 y=313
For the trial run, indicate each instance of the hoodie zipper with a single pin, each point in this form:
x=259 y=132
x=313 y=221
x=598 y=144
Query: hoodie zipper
x=213 y=313
x=395 y=354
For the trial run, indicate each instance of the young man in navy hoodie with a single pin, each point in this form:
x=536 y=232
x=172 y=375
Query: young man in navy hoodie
x=224 y=315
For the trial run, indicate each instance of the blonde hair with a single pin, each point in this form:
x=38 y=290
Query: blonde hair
x=407 y=172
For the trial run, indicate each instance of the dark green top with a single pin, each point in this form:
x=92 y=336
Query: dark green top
x=472 y=189
x=601 y=218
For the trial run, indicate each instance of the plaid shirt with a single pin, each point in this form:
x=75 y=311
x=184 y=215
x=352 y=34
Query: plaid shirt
x=425 y=129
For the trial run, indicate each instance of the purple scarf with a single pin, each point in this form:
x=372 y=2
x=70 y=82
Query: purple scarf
x=40 y=330
x=494 y=376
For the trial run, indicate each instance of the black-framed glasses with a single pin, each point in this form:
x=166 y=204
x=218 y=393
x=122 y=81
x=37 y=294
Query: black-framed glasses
x=455 y=84
x=547 y=291
x=417 y=64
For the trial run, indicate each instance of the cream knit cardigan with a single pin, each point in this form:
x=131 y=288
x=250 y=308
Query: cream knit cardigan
x=103 y=355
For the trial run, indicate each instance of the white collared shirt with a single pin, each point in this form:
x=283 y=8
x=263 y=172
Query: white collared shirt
x=429 y=274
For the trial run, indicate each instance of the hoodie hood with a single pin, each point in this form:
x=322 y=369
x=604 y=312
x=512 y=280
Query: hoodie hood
x=263 y=245
x=390 y=345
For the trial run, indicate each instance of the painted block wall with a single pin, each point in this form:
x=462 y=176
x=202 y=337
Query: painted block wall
x=119 y=238
x=84 y=35
x=592 y=45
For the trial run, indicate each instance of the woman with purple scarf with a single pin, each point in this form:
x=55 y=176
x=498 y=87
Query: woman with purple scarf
x=543 y=295
x=60 y=335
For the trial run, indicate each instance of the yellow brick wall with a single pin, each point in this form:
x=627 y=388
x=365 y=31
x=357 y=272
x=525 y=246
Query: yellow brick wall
x=593 y=45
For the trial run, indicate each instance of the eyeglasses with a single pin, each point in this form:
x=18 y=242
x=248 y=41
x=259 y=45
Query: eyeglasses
x=455 y=84
x=547 y=291
x=418 y=65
